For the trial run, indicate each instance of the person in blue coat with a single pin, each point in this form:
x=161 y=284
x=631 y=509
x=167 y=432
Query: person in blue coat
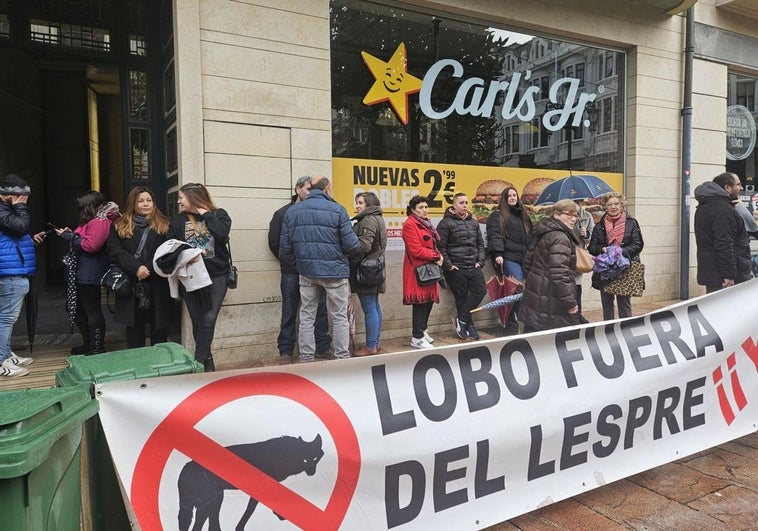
x=17 y=264
x=317 y=237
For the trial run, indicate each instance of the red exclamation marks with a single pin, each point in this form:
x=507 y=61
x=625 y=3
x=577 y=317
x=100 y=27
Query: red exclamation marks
x=737 y=393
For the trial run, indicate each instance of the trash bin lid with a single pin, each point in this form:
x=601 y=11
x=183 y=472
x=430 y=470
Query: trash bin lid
x=164 y=359
x=32 y=420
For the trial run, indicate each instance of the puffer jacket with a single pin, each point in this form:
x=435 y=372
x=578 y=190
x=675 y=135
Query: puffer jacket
x=631 y=245
x=17 y=257
x=318 y=237
x=513 y=247
x=372 y=235
x=723 y=245
x=549 y=288
x=461 y=242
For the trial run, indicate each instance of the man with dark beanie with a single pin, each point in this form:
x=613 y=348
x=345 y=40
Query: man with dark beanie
x=17 y=264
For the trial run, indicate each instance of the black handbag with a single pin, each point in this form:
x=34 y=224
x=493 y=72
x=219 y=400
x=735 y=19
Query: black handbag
x=370 y=271
x=427 y=274
x=115 y=279
x=231 y=276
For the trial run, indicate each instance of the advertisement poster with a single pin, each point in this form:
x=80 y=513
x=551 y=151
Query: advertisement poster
x=395 y=183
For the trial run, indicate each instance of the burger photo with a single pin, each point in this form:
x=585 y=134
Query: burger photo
x=531 y=193
x=487 y=198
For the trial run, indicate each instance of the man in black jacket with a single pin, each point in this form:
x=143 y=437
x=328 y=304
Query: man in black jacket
x=723 y=246
x=462 y=248
x=290 y=287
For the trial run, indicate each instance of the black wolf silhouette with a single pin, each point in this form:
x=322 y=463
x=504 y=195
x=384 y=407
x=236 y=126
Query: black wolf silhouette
x=202 y=490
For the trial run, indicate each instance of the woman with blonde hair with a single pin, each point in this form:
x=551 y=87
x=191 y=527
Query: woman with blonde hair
x=615 y=228
x=549 y=291
x=132 y=242
x=204 y=226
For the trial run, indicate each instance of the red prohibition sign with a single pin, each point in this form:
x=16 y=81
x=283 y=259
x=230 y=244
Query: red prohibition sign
x=177 y=433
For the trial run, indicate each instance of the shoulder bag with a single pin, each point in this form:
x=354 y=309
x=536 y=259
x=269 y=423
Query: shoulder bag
x=370 y=271
x=115 y=279
x=231 y=276
x=584 y=261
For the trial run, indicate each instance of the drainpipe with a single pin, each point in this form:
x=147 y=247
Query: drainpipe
x=684 y=256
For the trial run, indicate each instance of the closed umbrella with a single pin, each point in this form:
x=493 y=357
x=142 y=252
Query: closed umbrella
x=70 y=261
x=31 y=302
x=499 y=288
x=574 y=187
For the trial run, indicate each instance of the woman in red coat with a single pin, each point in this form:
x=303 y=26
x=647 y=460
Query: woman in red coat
x=420 y=239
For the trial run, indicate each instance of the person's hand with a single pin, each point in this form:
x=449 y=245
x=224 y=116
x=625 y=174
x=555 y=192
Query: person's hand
x=499 y=260
x=728 y=282
x=15 y=199
x=453 y=268
x=143 y=272
x=574 y=310
x=61 y=231
x=477 y=266
x=39 y=237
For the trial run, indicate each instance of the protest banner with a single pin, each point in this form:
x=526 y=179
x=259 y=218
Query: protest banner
x=456 y=437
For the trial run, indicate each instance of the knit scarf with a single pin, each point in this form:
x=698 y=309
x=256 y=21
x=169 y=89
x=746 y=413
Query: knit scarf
x=428 y=224
x=614 y=229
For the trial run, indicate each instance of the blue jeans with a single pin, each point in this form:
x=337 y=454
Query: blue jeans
x=513 y=269
x=12 y=292
x=290 y=288
x=373 y=313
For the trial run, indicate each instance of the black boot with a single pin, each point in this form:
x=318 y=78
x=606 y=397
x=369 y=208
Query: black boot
x=97 y=341
x=209 y=365
x=81 y=324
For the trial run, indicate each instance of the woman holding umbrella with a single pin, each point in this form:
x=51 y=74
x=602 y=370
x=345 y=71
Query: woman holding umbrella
x=615 y=228
x=549 y=299
x=420 y=238
x=509 y=235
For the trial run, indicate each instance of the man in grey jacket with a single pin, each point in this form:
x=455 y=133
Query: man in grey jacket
x=318 y=238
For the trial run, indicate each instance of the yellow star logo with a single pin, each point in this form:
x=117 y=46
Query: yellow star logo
x=393 y=82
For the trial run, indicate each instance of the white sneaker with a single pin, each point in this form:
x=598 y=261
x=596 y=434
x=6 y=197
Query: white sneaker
x=420 y=343
x=10 y=370
x=428 y=338
x=19 y=360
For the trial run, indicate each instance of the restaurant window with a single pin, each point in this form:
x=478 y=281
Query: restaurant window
x=448 y=122
x=741 y=156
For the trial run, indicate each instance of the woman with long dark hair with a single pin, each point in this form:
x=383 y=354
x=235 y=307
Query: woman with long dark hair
x=204 y=226
x=420 y=238
x=132 y=242
x=88 y=264
x=372 y=233
x=509 y=235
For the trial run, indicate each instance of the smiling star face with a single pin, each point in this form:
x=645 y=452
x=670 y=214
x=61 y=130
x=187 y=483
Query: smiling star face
x=392 y=82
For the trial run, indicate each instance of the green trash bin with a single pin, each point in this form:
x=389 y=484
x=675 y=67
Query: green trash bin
x=40 y=457
x=104 y=501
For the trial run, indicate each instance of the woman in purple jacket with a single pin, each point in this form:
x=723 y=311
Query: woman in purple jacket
x=90 y=261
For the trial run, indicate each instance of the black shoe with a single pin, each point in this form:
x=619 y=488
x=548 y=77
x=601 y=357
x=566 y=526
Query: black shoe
x=511 y=328
x=471 y=331
x=81 y=349
x=209 y=365
x=460 y=328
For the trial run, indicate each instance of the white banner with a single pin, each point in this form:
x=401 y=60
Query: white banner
x=460 y=437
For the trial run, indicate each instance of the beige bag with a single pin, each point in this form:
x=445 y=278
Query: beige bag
x=584 y=261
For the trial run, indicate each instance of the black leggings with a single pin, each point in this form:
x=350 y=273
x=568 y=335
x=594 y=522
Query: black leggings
x=421 y=314
x=89 y=312
x=203 y=306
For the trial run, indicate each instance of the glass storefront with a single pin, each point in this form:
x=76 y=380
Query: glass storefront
x=741 y=155
x=490 y=96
